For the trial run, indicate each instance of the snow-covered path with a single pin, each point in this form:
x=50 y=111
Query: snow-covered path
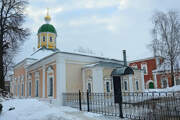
x=32 y=109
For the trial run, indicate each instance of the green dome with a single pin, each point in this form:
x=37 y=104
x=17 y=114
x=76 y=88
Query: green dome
x=47 y=28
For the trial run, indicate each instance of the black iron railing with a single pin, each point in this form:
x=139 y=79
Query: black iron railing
x=147 y=105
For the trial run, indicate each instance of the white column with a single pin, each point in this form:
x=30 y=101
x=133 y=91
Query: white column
x=155 y=80
x=84 y=80
x=43 y=79
x=98 y=84
x=131 y=89
x=60 y=80
x=142 y=80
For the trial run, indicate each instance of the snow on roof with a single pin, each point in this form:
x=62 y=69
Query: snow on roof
x=104 y=64
x=41 y=53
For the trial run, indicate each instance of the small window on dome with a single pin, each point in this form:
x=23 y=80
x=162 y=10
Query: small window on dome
x=50 y=39
x=44 y=39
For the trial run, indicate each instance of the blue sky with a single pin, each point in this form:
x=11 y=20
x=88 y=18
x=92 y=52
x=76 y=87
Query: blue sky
x=104 y=26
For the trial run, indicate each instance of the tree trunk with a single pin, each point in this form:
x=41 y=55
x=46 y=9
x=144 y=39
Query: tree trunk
x=172 y=74
x=1 y=65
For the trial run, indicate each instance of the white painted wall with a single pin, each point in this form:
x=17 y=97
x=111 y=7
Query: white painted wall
x=142 y=80
x=97 y=76
x=130 y=83
x=61 y=79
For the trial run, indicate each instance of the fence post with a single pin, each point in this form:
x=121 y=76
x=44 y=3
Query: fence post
x=88 y=100
x=80 y=108
x=120 y=105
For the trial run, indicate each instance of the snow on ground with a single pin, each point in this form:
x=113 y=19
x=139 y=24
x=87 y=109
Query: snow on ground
x=168 y=89
x=32 y=109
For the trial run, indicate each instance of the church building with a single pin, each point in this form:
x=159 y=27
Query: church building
x=50 y=72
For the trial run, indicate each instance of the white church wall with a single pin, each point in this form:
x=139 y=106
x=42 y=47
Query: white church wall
x=97 y=78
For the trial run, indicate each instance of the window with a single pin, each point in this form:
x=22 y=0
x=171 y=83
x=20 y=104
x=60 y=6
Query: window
x=14 y=88
x=137 y=85
x=134 y=66
x=22 y=90
x=178 y=81
x=50 y=92
x=50 y=39
x=164 y=82
x=29 y=88
x=107 y=86
x=89 y=87
x=125 y=85
x=44 y=38
x=18 y=89
x=144 y=68
x=37 y=88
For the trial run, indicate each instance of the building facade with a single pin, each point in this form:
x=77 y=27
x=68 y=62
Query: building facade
x=162 y=74
x=147 y=65
x=49 y=72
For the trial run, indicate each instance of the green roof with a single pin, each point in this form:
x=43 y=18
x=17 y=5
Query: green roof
x=47 y=28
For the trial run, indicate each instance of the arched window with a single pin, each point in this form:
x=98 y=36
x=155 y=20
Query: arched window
x=29 y=84
x=18 y=86
x=108 y=83
x=50 y=81
x=137 y=85
x=89 y=87
x=36 y=84
x=50 y=39
x=22 y=85
x=44 y=38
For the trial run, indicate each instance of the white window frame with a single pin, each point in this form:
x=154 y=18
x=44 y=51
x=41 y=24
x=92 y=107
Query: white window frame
x=166 y=79
x=146 y=69
x=15 y=85
x=125 y=80
x=37 y=76
x=50 y=70
x=108 y=79
x=29 y=90
x=137 y=83
x=29 y=81
x=36 y=89
x=89 y=81
x=18 y=86
x=177 y=78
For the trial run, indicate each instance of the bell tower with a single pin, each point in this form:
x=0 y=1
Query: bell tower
x=47 y=34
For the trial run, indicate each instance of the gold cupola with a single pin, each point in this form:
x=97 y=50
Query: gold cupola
x=47 y=34
x=47 y=18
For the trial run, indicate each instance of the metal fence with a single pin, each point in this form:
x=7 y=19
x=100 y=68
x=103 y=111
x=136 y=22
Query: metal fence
x=146 y=106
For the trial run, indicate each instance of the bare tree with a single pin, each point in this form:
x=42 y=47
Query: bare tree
x=166 y=37
x=12 y=33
